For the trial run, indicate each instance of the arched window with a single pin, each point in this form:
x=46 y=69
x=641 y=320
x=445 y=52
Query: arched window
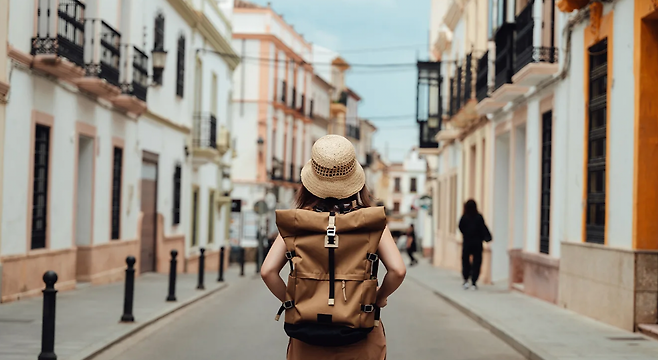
x=180 y=67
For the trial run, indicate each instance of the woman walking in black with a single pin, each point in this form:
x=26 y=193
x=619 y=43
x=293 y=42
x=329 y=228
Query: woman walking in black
x=474 y=232
x=411 y=245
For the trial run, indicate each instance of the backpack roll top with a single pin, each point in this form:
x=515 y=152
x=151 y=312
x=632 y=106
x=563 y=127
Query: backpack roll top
x=332 y=286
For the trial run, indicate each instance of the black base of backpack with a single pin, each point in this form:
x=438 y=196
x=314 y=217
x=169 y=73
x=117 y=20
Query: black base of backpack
x=326 y=335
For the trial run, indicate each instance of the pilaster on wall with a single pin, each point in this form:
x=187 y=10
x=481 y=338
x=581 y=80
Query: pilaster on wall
x=645 y=193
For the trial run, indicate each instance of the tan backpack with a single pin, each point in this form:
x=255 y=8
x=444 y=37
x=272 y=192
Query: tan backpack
x=332 y=286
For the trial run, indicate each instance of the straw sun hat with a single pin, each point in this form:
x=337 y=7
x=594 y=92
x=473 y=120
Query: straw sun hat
x=333 y=171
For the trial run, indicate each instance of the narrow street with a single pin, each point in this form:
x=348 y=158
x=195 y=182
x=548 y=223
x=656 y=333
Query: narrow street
x=237 y=323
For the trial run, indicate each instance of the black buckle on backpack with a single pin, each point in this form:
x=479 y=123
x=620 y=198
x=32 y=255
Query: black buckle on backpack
x=368 y=308
x=288 y=304
x=290 y=255
x=373 y=257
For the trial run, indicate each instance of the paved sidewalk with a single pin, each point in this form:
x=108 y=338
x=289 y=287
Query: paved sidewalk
x=537 y=329
x=87 y=319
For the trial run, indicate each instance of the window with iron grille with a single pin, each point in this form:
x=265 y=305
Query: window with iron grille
x=412 y=187
x=211 y=218
x=396 y=207
x=180 y=67
x=195 y=214
x=546 y=156
x=158 y=33
x=596 y=143
x=40 y=186
x=116 y=192
x=177 y=195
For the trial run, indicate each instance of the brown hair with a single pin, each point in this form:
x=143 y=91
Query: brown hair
x=304 y=199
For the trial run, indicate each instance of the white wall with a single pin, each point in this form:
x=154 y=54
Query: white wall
x=35 y=92
x=501 y=220
x=533 y=185
x=519 y=189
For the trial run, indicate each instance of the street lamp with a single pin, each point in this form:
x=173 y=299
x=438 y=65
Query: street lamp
x=261 y=145
x=159 y=57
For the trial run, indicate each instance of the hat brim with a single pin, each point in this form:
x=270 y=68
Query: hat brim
x=337 y=188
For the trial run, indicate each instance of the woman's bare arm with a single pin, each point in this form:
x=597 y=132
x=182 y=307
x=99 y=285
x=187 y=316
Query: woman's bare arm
x=269 y=271
x=395 y=268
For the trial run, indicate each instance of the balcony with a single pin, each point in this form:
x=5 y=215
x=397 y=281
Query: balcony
x=464 y=95
x=427 y=136
x=276 y=174
x=135 y=82
x=102 y=59
x=504 y=89
x=353 y=131
x=204 y=139
x=58 y=46
x=486 y=104
x=533 y=63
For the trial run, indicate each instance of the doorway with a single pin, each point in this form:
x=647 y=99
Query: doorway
x=84 y=191
x=149 y=197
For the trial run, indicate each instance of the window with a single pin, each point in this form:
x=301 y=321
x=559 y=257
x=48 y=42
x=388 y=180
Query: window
x=180 y=67
x=396 y=207
x=397 y=185
x=195 y=214
x=544 y=232
x=310 y=109
x=40 y=186
x=412 y=187
x=177 y=195
x=213 y=94
x=452 y=225
x=211 y=218
x=284 y=90
x=596 y=143
x=158 y=44
x=116 y=192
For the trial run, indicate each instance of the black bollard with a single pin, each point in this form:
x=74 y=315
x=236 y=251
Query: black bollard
x=129 y=291
x=220 y=278
x=48 y=322
x=202 y=268
x=172 y=276
x=241 y=261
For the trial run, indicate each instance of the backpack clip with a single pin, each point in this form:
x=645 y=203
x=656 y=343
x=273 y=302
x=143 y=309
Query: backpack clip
x=331 y=240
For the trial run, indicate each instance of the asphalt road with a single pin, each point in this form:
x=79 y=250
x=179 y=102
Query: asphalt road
x=238 y=323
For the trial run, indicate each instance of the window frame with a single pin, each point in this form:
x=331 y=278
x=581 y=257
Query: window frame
x=545 y=190
x=43 y=230
x=177 y=186
x=595 y=222
x=115 y=209
x=180 y=67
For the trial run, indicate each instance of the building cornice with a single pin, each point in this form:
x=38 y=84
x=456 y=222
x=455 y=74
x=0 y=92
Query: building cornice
x=167 y=122
x=199 y=21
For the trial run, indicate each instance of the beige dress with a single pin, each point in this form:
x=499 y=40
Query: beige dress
x=372 y=348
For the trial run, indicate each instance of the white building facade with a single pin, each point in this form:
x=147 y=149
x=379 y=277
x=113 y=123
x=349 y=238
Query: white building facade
x=103 y=142
x=406 y=187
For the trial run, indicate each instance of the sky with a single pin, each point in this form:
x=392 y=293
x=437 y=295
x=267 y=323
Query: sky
x=371 y=32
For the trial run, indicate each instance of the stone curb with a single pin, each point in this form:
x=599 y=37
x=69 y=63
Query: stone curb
x=499 y=330
x=94 y=350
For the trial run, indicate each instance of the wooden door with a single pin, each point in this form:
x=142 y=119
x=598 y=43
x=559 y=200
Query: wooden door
x=149 y=194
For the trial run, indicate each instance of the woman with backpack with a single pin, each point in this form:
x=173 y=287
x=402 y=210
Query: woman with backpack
x=474 y=232
x=333 y=243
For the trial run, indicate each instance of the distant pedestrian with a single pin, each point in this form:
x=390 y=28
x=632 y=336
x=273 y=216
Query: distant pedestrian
x=474 y=232
x=411 y=245
x=333 y=243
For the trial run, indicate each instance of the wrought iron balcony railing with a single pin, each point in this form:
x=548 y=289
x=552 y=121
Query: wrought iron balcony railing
x=353 y=131
x=205 y=131
x=60 y=30
x=427 y=136
x=504 y=55
x=482 y=82
x=525 y=50
x=276 y=173
x=103 y=51
x=138 y=84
